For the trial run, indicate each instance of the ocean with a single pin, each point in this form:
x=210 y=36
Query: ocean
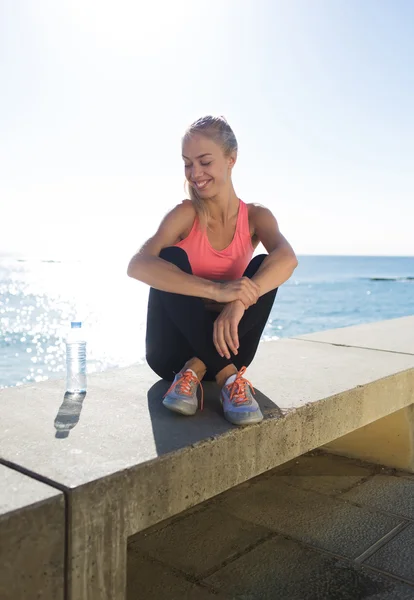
x=38 y=299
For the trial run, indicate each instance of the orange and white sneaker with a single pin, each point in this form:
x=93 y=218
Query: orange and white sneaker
x=239 y=406
x=182 y=394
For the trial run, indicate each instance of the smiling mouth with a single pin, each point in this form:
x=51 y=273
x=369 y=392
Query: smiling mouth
x=201 y=184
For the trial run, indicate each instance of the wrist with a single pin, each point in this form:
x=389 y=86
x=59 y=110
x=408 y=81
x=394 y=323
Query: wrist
x=212 y=290
x=240 y=303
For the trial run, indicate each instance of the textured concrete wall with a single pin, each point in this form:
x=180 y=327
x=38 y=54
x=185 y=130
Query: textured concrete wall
x=388 y=441
x=32 y=538
x=127 y=463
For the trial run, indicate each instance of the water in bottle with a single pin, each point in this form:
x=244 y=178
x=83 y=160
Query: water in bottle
x=75 y=359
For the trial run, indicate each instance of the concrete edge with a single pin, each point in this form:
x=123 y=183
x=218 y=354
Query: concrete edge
x=368 y=348
x=207 y=468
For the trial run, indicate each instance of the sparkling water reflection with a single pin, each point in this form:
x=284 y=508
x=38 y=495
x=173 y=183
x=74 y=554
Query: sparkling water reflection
x=38 y=300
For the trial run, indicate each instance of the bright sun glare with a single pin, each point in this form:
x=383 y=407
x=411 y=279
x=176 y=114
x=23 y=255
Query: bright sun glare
x=132 y=26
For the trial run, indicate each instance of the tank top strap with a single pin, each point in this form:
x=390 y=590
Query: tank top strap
x=243 y=223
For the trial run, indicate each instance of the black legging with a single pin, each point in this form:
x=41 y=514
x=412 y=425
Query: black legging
x=180 y=327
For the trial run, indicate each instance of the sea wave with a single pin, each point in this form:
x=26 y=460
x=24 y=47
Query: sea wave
x=409 y=278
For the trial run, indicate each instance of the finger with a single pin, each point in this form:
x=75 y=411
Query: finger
x=215 y=338
x=251 y=298
x=229 y=339
x=245 y=296
x=234 y=334
x=255 y=293
x=253 y=284
x=251 y=290
x=245 y=300
x=220 y=340
x=255 y=289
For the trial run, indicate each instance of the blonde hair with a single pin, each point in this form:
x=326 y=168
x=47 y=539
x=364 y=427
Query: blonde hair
x=218 y=130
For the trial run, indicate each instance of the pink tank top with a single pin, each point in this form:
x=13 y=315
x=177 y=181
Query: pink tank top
x=220 y=265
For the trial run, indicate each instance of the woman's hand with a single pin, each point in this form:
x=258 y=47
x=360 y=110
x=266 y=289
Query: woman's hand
x=243 y=289
x=225 y=334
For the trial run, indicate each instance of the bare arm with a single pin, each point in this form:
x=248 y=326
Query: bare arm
x=148 y=267
x=276 y=268
x=279 y=265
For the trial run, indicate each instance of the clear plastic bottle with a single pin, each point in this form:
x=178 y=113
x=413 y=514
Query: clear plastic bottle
x=75 y=359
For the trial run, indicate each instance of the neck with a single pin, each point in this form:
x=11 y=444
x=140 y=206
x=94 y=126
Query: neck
x=223 y=206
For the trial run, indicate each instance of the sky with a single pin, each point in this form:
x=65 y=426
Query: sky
x=95 y=97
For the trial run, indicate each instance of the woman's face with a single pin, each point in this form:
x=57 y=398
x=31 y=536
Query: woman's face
x=207 y=169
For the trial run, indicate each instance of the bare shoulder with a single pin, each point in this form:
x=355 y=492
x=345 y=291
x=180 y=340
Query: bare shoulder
x=180 y=214
x=178 y=221
x=266 y=229
x=258 y=211
x=173 y=228
x=186 y=206
x=259 y=214
x=183 y=215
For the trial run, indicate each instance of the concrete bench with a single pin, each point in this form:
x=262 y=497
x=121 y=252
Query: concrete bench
x=127 y=463
x=32 y=538
x=388 y=440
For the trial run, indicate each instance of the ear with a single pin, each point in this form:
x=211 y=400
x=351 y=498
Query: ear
x=232 y=159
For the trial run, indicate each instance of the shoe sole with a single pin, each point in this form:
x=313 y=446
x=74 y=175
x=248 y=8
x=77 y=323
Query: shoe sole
x=244 y=422
x=180 y=407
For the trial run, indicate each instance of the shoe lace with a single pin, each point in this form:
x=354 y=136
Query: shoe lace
x=184 y=385
x=239 y=388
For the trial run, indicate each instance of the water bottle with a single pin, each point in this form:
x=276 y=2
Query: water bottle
x=75 y=359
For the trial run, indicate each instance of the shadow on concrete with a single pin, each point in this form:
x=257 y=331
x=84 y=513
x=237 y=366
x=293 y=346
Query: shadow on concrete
x=68 y=414
x=173 y=431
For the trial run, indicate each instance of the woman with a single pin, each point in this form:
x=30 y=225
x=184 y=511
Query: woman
x=209 y=300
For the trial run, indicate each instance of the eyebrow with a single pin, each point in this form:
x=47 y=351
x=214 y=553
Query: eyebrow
x=200 y=156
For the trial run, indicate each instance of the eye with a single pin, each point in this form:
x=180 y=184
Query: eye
x=205 y=164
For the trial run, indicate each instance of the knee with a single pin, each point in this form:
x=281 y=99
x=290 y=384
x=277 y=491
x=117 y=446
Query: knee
x=254 y=265
x=177 y=256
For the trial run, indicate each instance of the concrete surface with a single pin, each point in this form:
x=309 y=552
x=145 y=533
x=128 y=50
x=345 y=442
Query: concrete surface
x=393 y=335
x=388 y=441
x=127 y=463
x=385 y=493
x=397 y=556
x=287 y=510
x=32 y=538
x=246 y=543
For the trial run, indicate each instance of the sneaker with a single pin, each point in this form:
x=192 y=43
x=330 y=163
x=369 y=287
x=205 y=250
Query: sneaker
x=182 y=394
x=240 y=408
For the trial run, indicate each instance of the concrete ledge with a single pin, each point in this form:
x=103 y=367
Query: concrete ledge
x=388 y=441
x=128 y=463
x=32 y=538
x=394 y=335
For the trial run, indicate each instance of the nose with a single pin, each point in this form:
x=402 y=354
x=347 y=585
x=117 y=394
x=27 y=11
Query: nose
x=196 y=172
